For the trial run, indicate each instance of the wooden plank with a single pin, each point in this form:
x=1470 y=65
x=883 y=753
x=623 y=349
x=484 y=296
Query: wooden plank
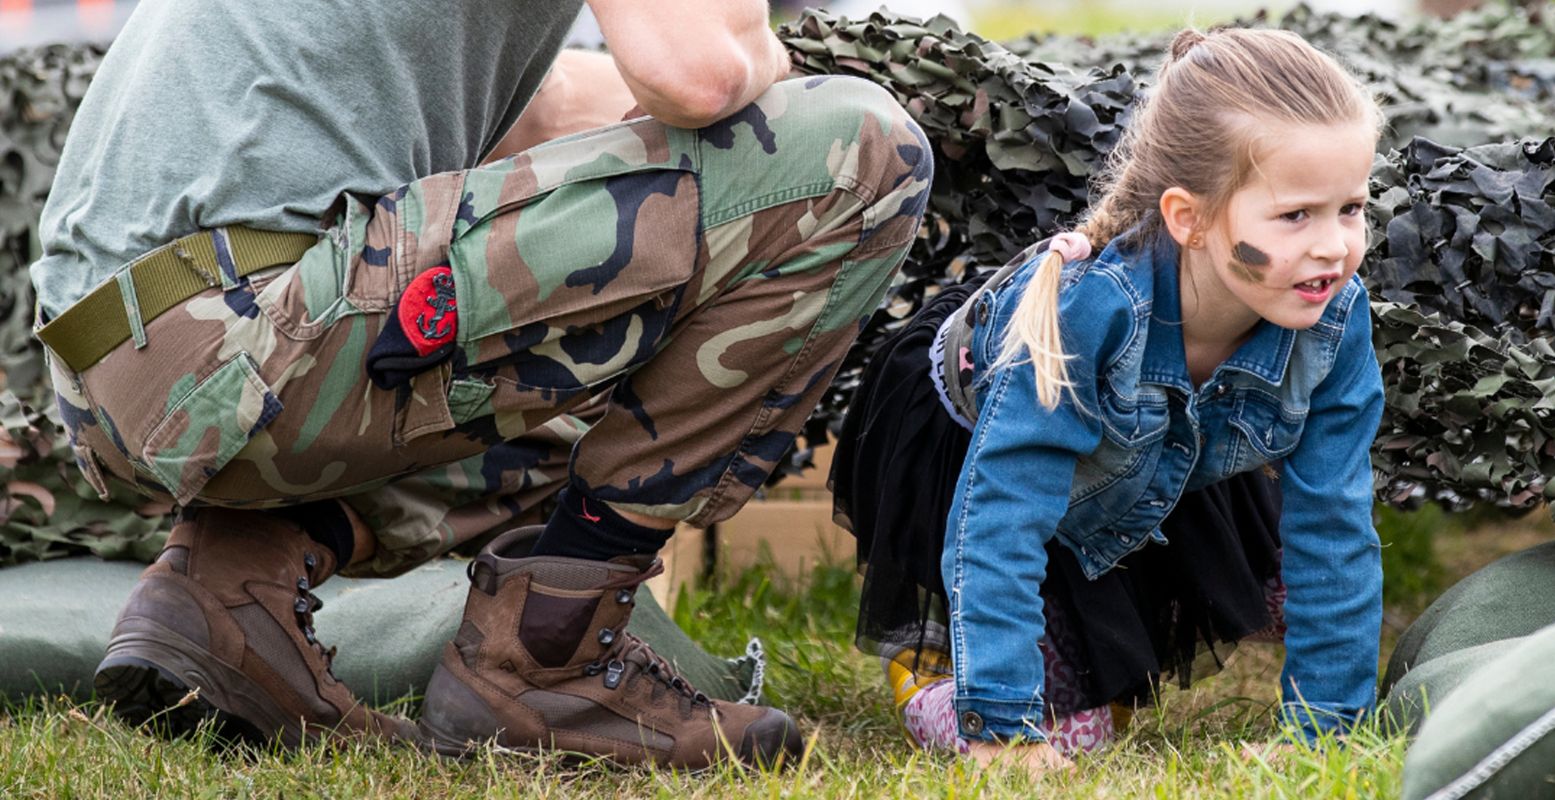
x=684 y=564
x=799 y=534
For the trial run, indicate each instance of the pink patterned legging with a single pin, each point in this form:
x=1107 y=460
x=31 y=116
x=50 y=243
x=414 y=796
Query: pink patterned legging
x=930 y=714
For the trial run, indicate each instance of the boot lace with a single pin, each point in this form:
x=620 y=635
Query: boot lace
x=629 y=660
x=306 y=604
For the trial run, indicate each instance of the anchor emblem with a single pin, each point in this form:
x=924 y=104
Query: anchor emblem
x=442 y=301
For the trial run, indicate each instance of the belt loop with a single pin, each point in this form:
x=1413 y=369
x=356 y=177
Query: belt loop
x=131 y=307
x=226 y=265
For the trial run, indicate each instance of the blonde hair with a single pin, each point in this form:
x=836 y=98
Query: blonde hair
x=1198 y=130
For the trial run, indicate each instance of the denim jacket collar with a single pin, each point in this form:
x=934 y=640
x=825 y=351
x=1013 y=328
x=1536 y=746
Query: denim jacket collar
x=1265 y=354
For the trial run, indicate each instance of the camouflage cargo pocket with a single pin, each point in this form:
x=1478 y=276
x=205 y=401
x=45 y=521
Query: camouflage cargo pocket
x=207 y=426
x=574 y=233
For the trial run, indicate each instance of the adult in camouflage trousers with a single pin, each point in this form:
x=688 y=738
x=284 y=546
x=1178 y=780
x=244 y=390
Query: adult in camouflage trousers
x=735 y=266
x=692 y=289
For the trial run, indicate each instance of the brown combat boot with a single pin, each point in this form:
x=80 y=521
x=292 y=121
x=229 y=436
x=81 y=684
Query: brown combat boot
x=542 y=660
x=227 y=609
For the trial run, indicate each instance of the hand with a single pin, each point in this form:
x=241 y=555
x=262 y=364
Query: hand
x=1036 y=758
x=1272 y=753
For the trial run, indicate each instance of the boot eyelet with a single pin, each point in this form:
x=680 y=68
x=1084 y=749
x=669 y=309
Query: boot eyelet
x=309 y=561
x=301 y=606
x=303 y=585
x=624 y=596
x=593 y=668
x=606 y=636
x=307 y=634
x=613 y=672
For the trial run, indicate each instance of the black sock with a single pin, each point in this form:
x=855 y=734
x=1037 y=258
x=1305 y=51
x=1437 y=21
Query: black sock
x=326 y=523
x=584 y=527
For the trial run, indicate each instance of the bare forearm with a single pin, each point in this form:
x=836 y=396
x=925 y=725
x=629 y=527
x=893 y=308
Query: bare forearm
x=692 y=62
x=760 y=61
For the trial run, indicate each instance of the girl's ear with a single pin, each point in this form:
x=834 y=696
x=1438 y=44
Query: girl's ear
x=1182 y=212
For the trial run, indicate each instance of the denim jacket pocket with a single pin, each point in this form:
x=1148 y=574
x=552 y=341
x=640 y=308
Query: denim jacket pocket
x=1269 y=430
x=1132 y=422
x=1129 y=433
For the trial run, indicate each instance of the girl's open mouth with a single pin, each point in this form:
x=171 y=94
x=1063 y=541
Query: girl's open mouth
x=1315 y=290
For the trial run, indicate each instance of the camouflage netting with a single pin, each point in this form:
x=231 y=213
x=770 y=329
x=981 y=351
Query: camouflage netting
x=47 y=509
x=1487 y=75
x=1461 y=267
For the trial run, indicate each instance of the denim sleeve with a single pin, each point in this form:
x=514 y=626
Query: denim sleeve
x=1014 y=488
x=1332 y=562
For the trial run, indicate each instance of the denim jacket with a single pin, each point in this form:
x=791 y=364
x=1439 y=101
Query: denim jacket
x=1102 y=469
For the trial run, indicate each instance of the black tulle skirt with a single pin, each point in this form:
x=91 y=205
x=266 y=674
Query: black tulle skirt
x=1171 y=611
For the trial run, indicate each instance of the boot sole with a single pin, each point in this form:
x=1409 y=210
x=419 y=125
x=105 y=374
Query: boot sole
x=147 y=673
x=436 y=741
x=146 y=695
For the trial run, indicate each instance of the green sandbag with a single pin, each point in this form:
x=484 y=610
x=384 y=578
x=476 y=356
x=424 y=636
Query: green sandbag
x=1507 y=599
x=55 y=618
x=1494 y=736
x=1410 y=700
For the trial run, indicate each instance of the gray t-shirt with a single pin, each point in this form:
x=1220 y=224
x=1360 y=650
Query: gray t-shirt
x=207 y=113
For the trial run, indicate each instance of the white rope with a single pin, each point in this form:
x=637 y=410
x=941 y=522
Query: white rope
x=755 y=655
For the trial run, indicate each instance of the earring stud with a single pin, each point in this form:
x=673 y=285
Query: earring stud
x=1196 y=241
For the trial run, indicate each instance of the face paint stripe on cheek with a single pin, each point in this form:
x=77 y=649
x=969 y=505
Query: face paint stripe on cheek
x=1247 y=262
x=1249 y=255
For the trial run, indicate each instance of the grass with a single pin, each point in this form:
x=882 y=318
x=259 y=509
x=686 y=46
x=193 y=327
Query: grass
x=1207 y=742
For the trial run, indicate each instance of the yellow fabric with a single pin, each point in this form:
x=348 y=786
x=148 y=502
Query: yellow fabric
x=165 y=277
x=933 y=666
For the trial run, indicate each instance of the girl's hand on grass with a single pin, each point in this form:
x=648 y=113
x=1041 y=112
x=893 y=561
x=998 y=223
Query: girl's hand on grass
x=1272 y=753
x=1036 y=758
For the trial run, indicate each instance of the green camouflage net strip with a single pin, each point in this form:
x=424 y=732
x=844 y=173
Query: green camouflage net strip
x=1461 y=263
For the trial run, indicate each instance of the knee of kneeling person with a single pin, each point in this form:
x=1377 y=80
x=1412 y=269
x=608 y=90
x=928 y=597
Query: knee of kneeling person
x=843 y=102
x=894 y=163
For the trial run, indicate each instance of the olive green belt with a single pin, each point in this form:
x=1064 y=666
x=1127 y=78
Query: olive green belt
x=119 y=309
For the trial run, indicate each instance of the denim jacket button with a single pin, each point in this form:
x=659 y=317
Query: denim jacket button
x=1220 y=391
x=971 y=722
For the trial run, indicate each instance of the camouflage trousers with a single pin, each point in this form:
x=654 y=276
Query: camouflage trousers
x=697 y=288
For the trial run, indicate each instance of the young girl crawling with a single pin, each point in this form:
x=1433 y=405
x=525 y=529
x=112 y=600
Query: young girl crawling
x=1093 y=467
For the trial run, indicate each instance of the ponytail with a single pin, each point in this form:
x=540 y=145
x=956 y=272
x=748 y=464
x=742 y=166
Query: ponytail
x=1034 y=328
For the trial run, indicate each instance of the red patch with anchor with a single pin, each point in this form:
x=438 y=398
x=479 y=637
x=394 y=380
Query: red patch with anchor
x=428 y=311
